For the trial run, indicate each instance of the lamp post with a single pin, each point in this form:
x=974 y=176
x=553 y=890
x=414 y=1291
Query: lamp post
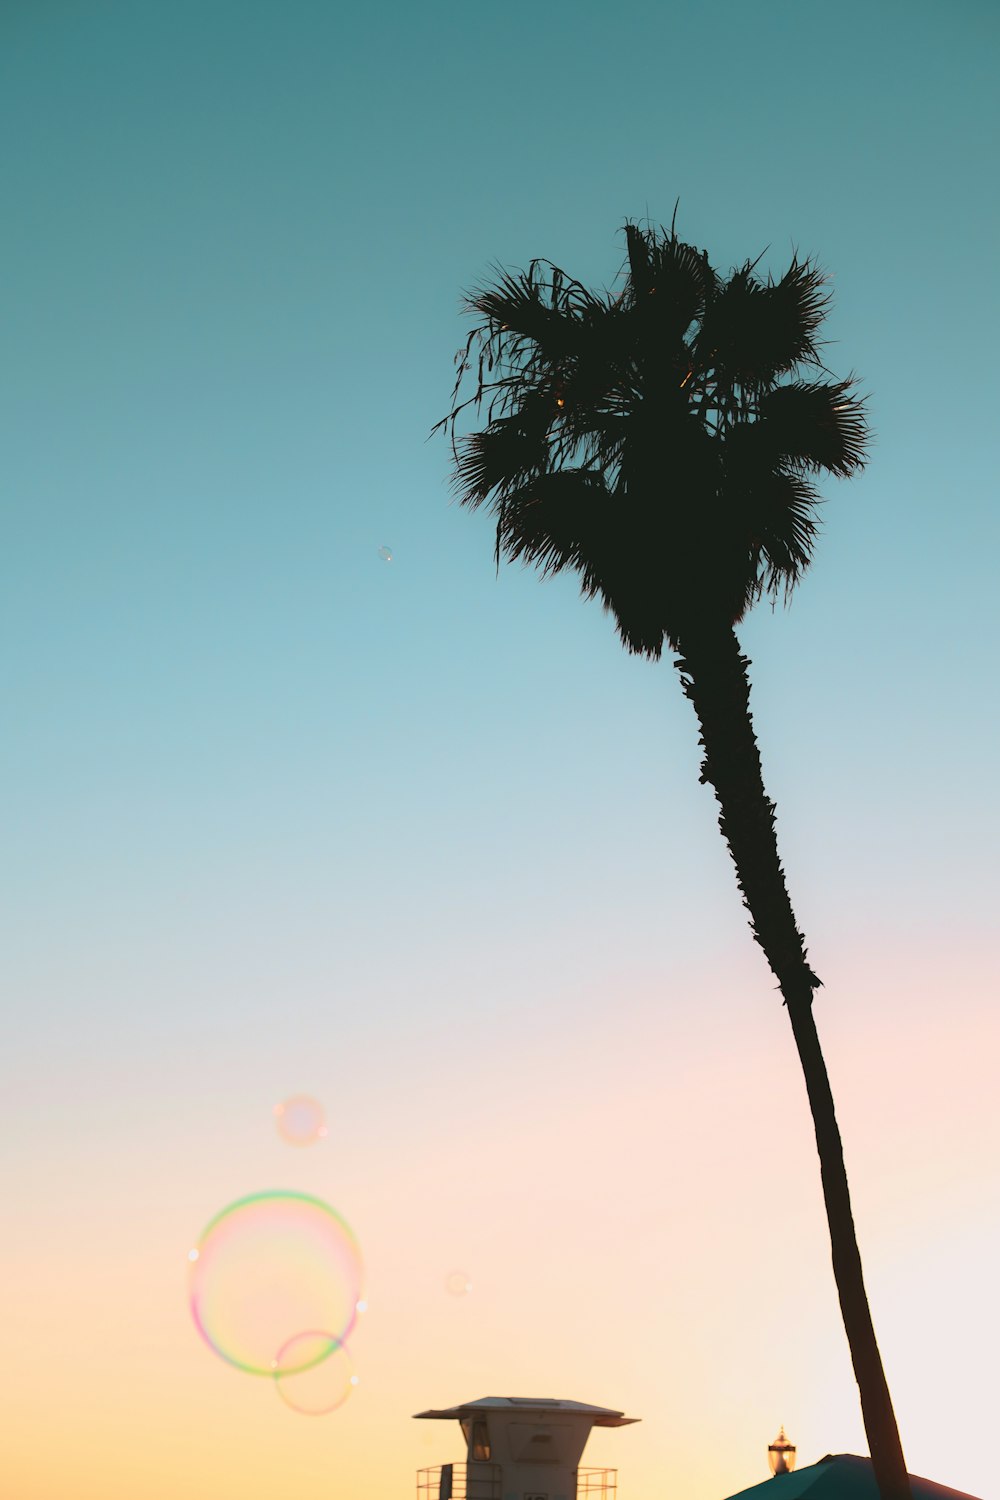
x=781 y=1455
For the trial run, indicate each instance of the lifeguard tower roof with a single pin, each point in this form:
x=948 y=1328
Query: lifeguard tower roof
x=599 y=1416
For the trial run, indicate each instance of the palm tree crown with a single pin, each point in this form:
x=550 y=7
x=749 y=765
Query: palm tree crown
x=661 y=443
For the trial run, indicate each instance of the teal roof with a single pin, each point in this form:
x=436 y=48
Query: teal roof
x=840 y=1476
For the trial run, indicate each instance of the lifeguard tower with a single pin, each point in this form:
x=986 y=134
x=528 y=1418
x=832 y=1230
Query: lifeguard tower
x=522 y=1448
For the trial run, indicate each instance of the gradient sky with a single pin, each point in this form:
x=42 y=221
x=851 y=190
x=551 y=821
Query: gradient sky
x=281 y=817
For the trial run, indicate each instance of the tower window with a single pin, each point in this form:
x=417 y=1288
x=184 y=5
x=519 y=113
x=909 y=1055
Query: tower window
x=479 y=1449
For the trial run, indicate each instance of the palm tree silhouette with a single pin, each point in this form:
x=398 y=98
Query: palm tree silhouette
x=650 y=443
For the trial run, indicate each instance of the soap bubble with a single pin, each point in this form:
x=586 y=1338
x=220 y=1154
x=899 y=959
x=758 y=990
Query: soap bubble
x=270 y=1267
x=313 y=1373
x=300 y=1120
x=385 y=553
x=458 y=1283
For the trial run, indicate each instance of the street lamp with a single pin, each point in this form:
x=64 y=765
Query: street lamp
x=781 y=1455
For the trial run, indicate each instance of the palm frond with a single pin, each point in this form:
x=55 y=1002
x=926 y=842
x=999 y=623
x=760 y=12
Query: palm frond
x=638 y=246
x=817 y=425
x=799 y=302
x=554 y=520
x=503 y=455
x=780 y=515
x=618 y=546
x=754 y=331
x=669 y=281
x=547 y=308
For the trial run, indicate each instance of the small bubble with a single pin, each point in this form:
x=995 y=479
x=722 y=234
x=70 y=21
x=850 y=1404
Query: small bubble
x=458 y=1283
x=192 y=1255
x=361 y=1306
x=300 y=1120
x=385 y=553
x=314 y=1374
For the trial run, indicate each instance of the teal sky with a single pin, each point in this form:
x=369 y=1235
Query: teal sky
x=279 y=815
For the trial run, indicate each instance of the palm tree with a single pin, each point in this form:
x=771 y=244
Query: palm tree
x=664 y=445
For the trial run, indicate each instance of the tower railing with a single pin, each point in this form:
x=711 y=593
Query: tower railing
x=474 y=1481
x=596 y=1484
x=482 y=1481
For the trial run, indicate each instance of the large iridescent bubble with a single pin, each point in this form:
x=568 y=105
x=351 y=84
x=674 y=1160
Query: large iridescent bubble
x=268 y=1269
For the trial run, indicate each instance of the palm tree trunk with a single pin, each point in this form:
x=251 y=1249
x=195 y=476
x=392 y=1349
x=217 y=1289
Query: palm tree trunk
x=714 y=677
